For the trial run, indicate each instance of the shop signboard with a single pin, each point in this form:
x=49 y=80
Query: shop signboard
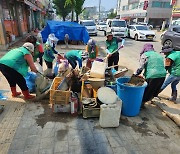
x=132 y=1
x=176 y=9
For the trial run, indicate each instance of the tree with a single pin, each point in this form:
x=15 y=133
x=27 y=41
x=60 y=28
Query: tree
x=79 y=8
x=112 y=15
x=71 y=4
x=61 y=9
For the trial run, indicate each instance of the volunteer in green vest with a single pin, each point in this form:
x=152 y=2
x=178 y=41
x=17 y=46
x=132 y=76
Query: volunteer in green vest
x=154 y=72
x=112 y=50
x=49 y=51
x=92 y=50
x=14 y=66
x=72 y=56
x=172 y=64
x=38 y=49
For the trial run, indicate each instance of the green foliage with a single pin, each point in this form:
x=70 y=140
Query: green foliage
x=112 y=15
x=61 y=9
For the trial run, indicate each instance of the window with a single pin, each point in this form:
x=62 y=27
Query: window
x=176 y=29
x=135 y=6
x=161 y=4
x=141 y=5
x=166 y=5
x=156 y=4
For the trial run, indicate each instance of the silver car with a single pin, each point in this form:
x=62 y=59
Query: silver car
x=172 y=37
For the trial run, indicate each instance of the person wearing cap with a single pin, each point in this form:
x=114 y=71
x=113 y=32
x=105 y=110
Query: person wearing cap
x=112 y=50
x=92 y=50
x=49 y=51
x=38 y=49
x=172 y=65
x=72 y=56
x=154 y=72
x=14 y=66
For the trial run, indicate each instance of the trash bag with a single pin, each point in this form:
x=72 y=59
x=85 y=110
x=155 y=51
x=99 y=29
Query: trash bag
x=56 y=67
x=30 y=81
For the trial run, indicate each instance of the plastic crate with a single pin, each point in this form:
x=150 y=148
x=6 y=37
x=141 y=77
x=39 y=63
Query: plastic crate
x=58 y=96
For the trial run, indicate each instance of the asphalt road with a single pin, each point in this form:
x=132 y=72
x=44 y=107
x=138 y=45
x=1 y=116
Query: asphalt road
x=129 y=55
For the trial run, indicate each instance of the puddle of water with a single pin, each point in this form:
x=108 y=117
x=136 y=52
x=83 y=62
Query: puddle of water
x=61 y=134
x=49 y=116
x=140 y=128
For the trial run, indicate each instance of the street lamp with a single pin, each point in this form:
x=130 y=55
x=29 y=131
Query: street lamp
x=99 y=9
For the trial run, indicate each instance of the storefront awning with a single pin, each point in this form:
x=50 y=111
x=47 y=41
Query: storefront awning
x=176 y=15
x=34 y=7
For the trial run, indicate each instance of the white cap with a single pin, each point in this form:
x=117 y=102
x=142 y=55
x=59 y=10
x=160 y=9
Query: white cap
x=29 y=46
x=52 y=37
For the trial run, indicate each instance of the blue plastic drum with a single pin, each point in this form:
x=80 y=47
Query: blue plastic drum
x=131 y=96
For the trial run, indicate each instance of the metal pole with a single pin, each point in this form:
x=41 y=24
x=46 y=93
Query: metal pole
x=99 y=9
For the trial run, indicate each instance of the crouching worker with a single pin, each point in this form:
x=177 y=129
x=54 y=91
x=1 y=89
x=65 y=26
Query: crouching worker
x=49 y=51
x=72 y=56
x=172 y=64
x=153 y=65
x=14 y=66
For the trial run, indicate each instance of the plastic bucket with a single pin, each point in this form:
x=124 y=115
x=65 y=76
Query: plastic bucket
x=130 y=96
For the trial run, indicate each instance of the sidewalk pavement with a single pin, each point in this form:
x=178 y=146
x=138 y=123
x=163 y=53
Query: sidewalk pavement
x=32 y=128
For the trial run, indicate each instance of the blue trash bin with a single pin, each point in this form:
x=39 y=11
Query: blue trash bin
x=130 y=96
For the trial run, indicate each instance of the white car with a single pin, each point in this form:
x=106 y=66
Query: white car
x=90 y=26
x=101 y=26
x=141 y=32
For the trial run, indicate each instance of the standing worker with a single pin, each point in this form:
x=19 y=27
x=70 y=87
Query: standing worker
x=72 y=56
x=154 y=72
x=92 y=50
x=49 y=51
x=14 y=66
x=172 y=64
x=112 y=50
x=38 y=49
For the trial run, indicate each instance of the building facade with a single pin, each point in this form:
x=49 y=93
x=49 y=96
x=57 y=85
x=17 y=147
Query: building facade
x=18 y=17
x=153 y=12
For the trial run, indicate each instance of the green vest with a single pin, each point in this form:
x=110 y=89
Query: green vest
x=155 y=65
x=36 y=52
x=73 y=54
x=46 y=56
x=15 y=60
x=92 y=54
x=175 y=69
x=112 y=45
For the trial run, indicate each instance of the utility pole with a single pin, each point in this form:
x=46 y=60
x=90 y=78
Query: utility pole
x=99 y=9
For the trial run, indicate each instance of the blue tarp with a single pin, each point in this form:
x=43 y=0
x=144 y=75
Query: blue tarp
x=75 y=31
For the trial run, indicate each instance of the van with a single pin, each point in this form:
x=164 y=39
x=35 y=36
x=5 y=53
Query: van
x=117 y=27
x=90 y=26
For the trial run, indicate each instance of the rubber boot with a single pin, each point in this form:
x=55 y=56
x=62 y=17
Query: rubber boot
x=173 y=96
x=14 y=92
x=27 y=95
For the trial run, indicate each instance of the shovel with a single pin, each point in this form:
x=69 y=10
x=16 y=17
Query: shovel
x=136 y=80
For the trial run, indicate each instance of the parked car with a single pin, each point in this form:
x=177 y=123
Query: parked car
x=117 y=27
x=145 y=24
x=101 y=26
x=140 y=32
x=90 y=25
x=172 y=37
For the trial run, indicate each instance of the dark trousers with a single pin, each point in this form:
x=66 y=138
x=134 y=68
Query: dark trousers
x=152 y=89
x=49 y=64
x=40 y=58
x=13 y=77
x=113 y=60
